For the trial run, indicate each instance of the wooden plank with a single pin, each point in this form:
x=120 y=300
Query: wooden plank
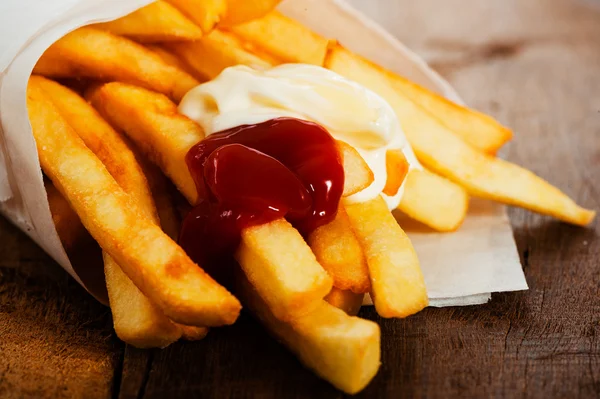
x=55 y=340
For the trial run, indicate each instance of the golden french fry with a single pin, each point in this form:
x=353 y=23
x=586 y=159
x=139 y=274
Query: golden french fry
x=397 y=285
x=205 y=13
x=153 y=123
x=240 y=11
x=341 y=349
x=151 y=120
x=477 y=129
x=345 y=300
x=158 y=266
x=443 y=152
x=397 y=168
x=67 y=223
x=93 y=53
x=285 y=272
x=273 y=34
x=433 y=200
x=339 y=252
x=156 y=22
x=136 y=320
x=217 y=51
x=357 y=174
x=169 y=58
x=161 y=193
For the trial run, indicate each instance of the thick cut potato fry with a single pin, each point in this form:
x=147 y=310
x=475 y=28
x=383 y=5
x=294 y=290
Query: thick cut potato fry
x=397 y=168
x=93 y=53
x=345 y=300
x=153 y=123
x=240 y=11
x=357 y=174
x=157 y=22
x=477 y=129
x=136 y=320
x=158 y=266
x=291 y=278
x=340 y=253
x=217 y=51
x=285 y=272
x=205 y=13
x=284 y=38
x=170 y=58
x=443 y=152
x=397 y=284
x=161 y=193
x=67 y=223
x=434 y=201
x=341 y=349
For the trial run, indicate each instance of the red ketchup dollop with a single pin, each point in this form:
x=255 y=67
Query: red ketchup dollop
x=254 y=174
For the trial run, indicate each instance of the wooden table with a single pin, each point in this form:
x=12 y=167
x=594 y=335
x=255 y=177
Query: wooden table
x=533 y=64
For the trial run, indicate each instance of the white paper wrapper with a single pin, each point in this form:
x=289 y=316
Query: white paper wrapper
x=460 y=268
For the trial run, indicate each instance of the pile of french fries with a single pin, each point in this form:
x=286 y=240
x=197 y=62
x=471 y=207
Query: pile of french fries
x=107 y=141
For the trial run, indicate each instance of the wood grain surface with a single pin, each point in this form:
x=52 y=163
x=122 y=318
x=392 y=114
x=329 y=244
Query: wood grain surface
x=533 y=64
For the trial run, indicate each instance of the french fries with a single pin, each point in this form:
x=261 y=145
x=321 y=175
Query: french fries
x=433 y=200
x=273 y=34
x=343 y=350
x=136 y=320
x=161 y=269
x=157 y=22
x=291 y=281
x=240 y=11
x=479 y=130
x=93 y=53
x=305 y=292
x=153 y=123
x=397 y=285
x=345 y=300
x=340 y=254
x=443 y=152
x=205 y=13
x=217 y=51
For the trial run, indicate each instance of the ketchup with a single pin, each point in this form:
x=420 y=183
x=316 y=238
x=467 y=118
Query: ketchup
x=254 y=174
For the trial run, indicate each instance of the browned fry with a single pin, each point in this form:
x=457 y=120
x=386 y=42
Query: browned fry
x=205 y=13
x=157 y=265
x=341 y=349
x=162 y=194
x=434 y=200
x=156 y=22
x=67 y=223
x=217 y=51
x=345 y=300
x=397 y=284
x=339 y=252
x=94 y=53
x=292 y=279
x=442 y=151
x=274 y=33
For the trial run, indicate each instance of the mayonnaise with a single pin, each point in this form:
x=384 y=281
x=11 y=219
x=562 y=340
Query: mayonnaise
x=349 y=111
